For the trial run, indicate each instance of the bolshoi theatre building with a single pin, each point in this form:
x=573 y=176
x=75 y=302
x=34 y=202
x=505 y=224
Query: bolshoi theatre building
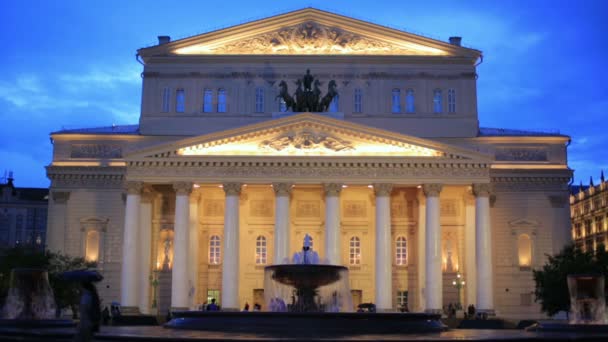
x=391 y=175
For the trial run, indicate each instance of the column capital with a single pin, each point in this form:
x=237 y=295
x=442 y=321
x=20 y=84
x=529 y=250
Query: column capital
x=383 y=189
x=61 y=197
x=482 y=189
x=282 y=189
x=432 y=189
x=195 y=195
x=182 y=188
x=232 y=188
x=134 y=187
x=332 y=189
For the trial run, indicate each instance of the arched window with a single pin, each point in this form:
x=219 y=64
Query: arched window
x=451 y=100
x=401 y=251
x=92 y=245
x=437 y=107
x=260 y=250
x=357 y=107
x=355 y=251
x=334 y=104
x=214 y=250
x=221 y=100
x=180 y=100
x=396 y=101
x=259 y=100
x=207 y=101
x=166 y=97
x=410 y=104
x=524 y=250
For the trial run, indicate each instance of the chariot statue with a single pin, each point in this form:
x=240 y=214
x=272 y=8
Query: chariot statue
x=307 y=97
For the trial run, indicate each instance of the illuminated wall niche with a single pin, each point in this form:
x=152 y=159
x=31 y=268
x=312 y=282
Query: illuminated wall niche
x=93 y=231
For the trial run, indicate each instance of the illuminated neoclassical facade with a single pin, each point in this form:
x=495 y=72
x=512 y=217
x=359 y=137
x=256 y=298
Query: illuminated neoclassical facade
x=589 y=212
x=397 y=181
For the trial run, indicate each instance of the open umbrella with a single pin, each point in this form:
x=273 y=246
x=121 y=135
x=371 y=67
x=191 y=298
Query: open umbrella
x=82 y=276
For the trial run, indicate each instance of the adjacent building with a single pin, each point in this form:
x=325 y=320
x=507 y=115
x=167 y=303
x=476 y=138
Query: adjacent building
x=23 y=215
x=396 y=180
x=589 y=212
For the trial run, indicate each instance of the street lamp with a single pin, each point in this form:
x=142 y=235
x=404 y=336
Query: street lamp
x=458 y=284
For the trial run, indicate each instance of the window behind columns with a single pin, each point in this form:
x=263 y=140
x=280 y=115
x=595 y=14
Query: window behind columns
x=259 y=100
x=401 y=251
x=214 y=250
x=357 y=108
x=221 y=100
x=355 y=251
x=260 y=250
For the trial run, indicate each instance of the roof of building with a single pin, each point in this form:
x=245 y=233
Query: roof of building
x=114 y=129
x=502 y=132
x=25 y=194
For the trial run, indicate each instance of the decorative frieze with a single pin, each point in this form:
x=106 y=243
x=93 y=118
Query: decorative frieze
x=482 y=189
x=521 y=154
x=282 y=189
x=383 y=189
x=332 y=189
x=102 y=151
x=306 y=141
x=182 y=188
x=233 y=189
x=432 y=189
x=449 y=208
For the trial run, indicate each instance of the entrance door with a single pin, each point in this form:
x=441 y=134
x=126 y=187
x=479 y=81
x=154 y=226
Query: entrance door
x=258 y=298
x=357 y=295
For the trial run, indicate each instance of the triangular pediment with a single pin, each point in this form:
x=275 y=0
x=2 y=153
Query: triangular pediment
x=309 y=32
x=308 y=135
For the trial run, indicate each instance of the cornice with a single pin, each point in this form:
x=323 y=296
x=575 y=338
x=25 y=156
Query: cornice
x=86 y=176
x=276 y=76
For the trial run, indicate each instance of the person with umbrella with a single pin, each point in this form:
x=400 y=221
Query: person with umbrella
x=90 y=308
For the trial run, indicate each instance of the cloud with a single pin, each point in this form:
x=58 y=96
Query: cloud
x=127 y=75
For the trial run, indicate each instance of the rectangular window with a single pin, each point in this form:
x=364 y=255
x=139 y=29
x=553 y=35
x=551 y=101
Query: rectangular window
x=259 y=100
x=410 y=104
x=166 y=99
x=437 y=106
x=180 y=101
x=401 y=299
x=357 y=107
x=207 y=101
x=451 y=101
x=221 y=101
x=396 y=101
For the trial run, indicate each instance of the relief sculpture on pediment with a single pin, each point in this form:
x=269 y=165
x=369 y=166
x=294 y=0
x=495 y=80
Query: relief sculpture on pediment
x=306 y=141
x=310 y=38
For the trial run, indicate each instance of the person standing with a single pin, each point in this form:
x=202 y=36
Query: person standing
x=90 y=313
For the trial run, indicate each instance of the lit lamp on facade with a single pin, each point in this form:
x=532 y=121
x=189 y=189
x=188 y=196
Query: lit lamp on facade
x=458 y=283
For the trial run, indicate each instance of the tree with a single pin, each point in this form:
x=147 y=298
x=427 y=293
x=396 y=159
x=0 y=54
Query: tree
x=551 y=281
x=66 y=293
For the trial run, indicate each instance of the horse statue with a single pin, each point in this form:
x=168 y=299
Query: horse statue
x=316 y=96
x=300 y=97
x=284 y=94
x=331 y=93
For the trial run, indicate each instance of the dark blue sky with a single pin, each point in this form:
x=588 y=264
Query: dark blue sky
x=72 y=63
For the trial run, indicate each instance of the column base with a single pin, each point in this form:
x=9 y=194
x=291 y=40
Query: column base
x=129 y=310
x=433 y=311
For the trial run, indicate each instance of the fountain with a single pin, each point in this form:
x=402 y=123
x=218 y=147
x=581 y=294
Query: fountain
x=307 y=299
x=587 y=306
x=30 y=301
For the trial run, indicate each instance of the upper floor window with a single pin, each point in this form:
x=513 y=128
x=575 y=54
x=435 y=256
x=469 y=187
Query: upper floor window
x=396 y=101
x=334 y=104
x=282 y=105
x=214 y=250
x=401 y=251
x=524 y=250
x=451 y=100
x=260 y=250
x=437 y=106
x=180 y=100
x=221 y=100
x=357 y=107
x=355 y=251
x=166 y=99
x=410 y=104
x=259 y=100
x=207 y=101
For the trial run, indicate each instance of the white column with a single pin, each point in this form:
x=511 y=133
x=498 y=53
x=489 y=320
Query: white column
x=384 y=266
x=433 y=282
x=332 y=223
x=145 y=252
x=230 y=264
x=180 y=275
x=193 y=248
x=282 y=192
x=421 y=252
x=129 y=299
x=469 y=253
x=483 y=248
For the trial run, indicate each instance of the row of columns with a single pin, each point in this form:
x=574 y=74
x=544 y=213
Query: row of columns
x=185 y=244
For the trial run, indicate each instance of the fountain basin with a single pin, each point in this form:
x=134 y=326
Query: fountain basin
x=307 y=324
